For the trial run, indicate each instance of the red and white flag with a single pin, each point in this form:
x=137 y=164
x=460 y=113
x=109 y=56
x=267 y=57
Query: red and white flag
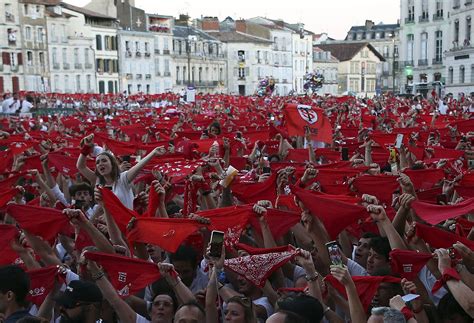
x=300 y=117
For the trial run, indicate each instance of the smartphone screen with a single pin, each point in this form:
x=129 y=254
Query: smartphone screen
x=399 y=141
x=345 y=153
x=334 y=253
x=266 y=170
x=126 y=158
x=217 y=239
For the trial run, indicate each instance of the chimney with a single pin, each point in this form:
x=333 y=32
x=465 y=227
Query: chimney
x=241 y=26
x=369 y=24
x=210 y=23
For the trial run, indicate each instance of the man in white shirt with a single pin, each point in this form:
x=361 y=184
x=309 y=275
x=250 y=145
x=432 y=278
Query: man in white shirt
x=11 y=105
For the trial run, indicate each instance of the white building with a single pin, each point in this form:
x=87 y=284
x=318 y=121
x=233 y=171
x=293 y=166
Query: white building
x=327 y=65
x=459 y=59
x=247 y=56
x=200 y=60
x=137 y=62
x=161 y=27
x=11 y=65
x=386 y=40
x=424 y=37
x=72 y=47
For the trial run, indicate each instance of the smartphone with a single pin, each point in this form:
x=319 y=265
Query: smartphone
x=334 y=253
x=217 y=240
x=399 y=141
x=393 y=154
x=345 y=153
x=78 y=204
x=266 y=170
x=126 y=158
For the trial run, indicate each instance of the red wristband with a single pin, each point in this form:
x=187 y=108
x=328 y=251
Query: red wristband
x=448 y=274
x=407 y=313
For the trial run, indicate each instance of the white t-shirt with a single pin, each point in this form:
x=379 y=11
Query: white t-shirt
x=263 y=301
x=26 y=106
x=355 y=269
x=10 y=106
x=428 y=280
x=141 y=319
x=123 y=190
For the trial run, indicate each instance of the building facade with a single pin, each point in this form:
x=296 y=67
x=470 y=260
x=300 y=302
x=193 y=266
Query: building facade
x=326 y=64
x=459 y=58
x=200 y=60
x=357 y=68
x=386 y=40
x=424 y=38
x=11 y=67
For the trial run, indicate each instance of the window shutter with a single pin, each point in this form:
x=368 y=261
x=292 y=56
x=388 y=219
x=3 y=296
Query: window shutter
x=6 y=58
x=20 y=59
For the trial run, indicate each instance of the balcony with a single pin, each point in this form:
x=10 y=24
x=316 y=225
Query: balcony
x=157 y=73
x=147 y=54
x=147 y=76
x=410 y=20
x=166 y=51
x=87 y=66
x=456 y=4
x=167 y=74
x=422 y=62
x=179 y=82
x=138 y=54
x=438 y=16
x=78 y=66
x=128 y=53
x=56 y=66
x=66 y=66
x=385 y=73
x=129 y=76
x=437 y=61
x=407 y=63
x=139 y=76
x=14 y=68
x=468 y=3
x=395 y=65
x=424 y=18
x=157 y=51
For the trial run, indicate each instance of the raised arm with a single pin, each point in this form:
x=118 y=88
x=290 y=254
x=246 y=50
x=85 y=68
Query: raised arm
x=87 y=144
x=133 y=172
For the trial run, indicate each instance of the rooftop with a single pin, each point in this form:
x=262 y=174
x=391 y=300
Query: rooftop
x=237 y=37
x=346 y=51
x=86 y=12
x=184 y=32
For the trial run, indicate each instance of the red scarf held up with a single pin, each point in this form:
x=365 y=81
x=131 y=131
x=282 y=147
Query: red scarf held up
x=8 y=233
x=7 y=195
x=335 y=215
x=127 y=275
x=279 y=221
x=231 y=220
x=120 y=213
x=298 y=117
x=40 y=221
x=254 y=192
x=257 y=268
x=408 y=263
x=425 y=178
x=438 y=238
x=41 y=283
x=434 y=214
x=165 y=233
x=380 y=186
x=366 y=286
x=258 y=251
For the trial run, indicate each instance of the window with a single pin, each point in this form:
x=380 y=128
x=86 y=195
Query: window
x=462 y=75
x=107 y=43
x=472 y=73
x=177 y=74
x=200 y=75
x=438 y=46
x=411 y=10
x=88 y=83
x=39 y=35
x=29 y=58
x=450 y=75
x=55 y=55
x=56 y=83
x=98 y=42
x=54 y=35
x=184 y=74
x=354 y=85
x=456 y=33
x=64 y=55
x=76 y=55
x=424 y=9
x=66 y=83
x=137 y=46
x=147 y=49
x=410 y=43
x=111 y=87
x=424 y=46
x=78 y=83
x=41 y=59
x=241 y=55
x=370 y=85
x=101 y=87
x=355 y=68
x=241 y=72
x=28 y=33
x=165 y=44
x=193 y=74
x=439 y=8
x=86 y=55
x=167 y=66
x=468 y=31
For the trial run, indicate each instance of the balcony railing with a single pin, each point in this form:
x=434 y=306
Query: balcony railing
x=9 y=17
x=139 y=76
x=468 y=2
x=147 y=54
x=166 y=51
x=179 y=82
x=157 y=51
x=422 y=62
x=87 y=66
x=14 y=68
x=66 y=66
x=385 y=73
x=423 y=18
x=410 y=20
x=56 y=66
x=128 y=53
x=437 y=17
x=407 y=63
x=147 y=76
x=167 y=74
x=437 y=61
x=78 y=66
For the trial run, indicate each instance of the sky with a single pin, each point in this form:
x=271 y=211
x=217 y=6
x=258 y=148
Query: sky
x=334 y=17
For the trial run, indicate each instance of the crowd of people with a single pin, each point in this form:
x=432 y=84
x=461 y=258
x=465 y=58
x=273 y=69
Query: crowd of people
x=110 y=213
